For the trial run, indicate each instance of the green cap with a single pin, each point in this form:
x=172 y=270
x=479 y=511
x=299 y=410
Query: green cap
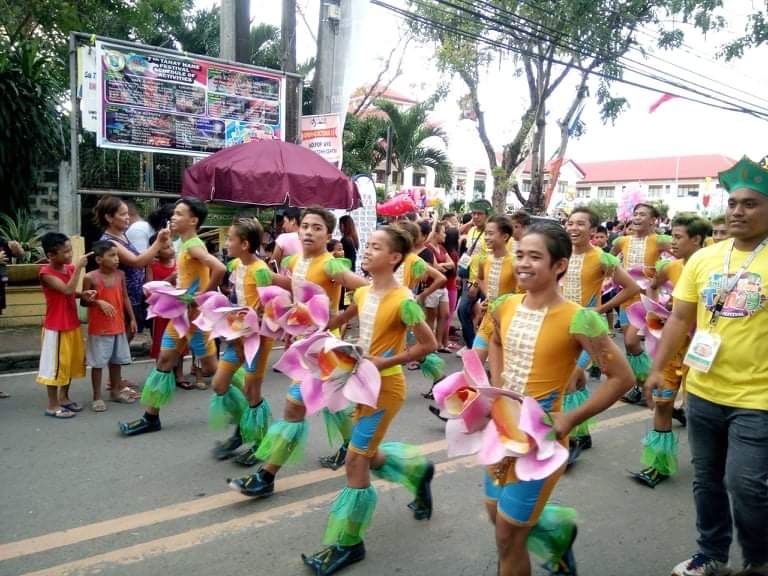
x=481 y=205
x=745 y=174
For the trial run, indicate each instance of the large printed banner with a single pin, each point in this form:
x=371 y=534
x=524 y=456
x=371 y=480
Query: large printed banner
x=155 y=102
x=321 y=134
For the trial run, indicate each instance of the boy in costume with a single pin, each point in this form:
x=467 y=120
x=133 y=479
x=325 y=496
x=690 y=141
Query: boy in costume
x=660 y=454
x=387 y=311
x=198 y=271
x=285 y=439
x=537 y=339
x=588 y=268
x=639 y=253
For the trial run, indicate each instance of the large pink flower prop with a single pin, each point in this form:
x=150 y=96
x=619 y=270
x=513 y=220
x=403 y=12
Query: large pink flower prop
x=166 y=301
x=277 y=303
x=308 y=312
x=649 y=317
x=221 y=320
x=332 y=374
x=637 y=274
x=496 y=423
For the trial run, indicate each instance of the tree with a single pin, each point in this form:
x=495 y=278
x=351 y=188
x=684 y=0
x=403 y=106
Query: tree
x=362 y=144
x=410 y=132
x=548 y=40
x=605 y=210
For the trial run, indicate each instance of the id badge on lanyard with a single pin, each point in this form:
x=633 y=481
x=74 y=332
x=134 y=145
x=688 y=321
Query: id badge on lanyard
x=705 y=343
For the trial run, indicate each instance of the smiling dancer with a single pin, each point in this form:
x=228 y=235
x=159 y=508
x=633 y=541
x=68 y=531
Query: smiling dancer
x=537 y=339
x=588 y=268
x=639 y=252
x=387 y=311
x=660 y=454
x=284 y=442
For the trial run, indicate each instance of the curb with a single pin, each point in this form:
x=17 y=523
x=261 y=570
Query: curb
x=21 y=361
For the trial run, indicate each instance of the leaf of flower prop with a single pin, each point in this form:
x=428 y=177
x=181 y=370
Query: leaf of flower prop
x=364 y=385
x=166 y=301
x=295 y=361
x=474 y=369
x=163 y=287
x=277 y=303
x=529 y=467
x=502 y=436
x=636 y=314
x=534 y=423
x=312 y=394
x=655 y=308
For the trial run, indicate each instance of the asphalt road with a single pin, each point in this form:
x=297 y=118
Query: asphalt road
x=76 y=498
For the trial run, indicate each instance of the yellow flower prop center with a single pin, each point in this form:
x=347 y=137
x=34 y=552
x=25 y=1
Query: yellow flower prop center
x=505 y=413
x=332 y=363
x=456 y=402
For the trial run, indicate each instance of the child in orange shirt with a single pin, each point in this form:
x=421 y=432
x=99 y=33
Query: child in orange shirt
x=107 y=339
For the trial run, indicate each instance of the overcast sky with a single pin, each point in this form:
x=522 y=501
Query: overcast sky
x=677 y=127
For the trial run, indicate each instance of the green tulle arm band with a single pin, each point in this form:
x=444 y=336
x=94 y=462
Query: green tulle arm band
x=404 y=464
x=338 y=425
x=640 y=364
x=263 y=277
x=255 y=421
x=158 y=389
x=588 y=323
x=231 y=265
x=660 y=451
x=617 y=241
x=418 y=269
x=284 y=443
x=238 y=378
x=410 y=312
x=498 y=302
x=285 y=263
x=336 y=266
x=573 y=401
x=433 y=367
x=608 y=260
x=661 y=264
x=226 y=409
x=350 y=516
x=663 y=239
x=553 y=534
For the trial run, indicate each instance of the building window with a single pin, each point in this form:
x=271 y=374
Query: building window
x=655 y=191
x=562 y=188
x=526 y=186
x=605 y=192
x=419 y=179
x=479 y=186
x=687 y=190
x=583 y=192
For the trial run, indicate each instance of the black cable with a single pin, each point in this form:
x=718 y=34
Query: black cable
x=729 y=105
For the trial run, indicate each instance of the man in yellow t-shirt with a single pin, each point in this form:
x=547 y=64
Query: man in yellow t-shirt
x=477 y=249
x=728 y=404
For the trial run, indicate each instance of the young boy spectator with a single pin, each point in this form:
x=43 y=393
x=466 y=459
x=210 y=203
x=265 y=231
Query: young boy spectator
x=61 y=356
x=107 y=340
x=600 y=239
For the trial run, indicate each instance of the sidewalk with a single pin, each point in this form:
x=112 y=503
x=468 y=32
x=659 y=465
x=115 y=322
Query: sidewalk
x=20 y=348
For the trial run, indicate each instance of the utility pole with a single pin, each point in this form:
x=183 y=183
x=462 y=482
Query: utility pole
x=327 y=34
x=288 y=62
x=235 y=31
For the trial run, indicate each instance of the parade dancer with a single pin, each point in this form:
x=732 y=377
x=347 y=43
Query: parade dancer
x=250 y=413
x=659 y=456
x=285 y=440
x=588 y=268
x=198 y=271
x=387 y=311
x=537 y=339
x=639 y=253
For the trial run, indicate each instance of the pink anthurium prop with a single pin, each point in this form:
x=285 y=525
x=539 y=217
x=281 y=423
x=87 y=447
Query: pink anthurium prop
x=240 y=323
x=458 y=395
x=277 y=303
x=212 y=309
x=638 y=275
x=310 y=311
x=166 y=301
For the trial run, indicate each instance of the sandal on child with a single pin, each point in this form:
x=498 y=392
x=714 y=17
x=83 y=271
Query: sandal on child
x=72 y=407
x=60 y=413
x=201 y=385
x=184 y=384
x=125 y=396
x=98 y=406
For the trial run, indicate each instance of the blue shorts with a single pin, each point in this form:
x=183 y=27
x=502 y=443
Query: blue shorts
x=196 y=340
x=294 y=394
x=623 y=318
x=583 y=360
x=232 y=355
x=517 y=501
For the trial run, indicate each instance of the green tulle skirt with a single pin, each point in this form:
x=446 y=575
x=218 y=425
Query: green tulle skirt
x=284 y=443
x=432 y=367
x=226 y=409
x=660 y=451
x=338 y=425
x=350 y=516
x=255 y=421
x=570 y=403
x=403 y=464
x=553 y=534
x=158 y=389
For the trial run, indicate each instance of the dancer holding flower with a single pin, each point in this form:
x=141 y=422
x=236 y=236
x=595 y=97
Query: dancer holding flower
x=537 y=339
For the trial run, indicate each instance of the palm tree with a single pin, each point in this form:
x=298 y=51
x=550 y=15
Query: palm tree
x=410 y=133
x=362 y=144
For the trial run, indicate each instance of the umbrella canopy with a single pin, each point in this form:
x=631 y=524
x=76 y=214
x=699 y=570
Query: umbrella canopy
x=270 y=172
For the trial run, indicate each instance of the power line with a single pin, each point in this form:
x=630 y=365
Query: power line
x=752 y=107
x=729 y=104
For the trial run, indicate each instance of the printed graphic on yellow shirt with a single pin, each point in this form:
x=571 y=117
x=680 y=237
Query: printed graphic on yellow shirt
x=745 y=299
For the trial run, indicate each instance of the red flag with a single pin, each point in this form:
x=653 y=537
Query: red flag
x=660 y=101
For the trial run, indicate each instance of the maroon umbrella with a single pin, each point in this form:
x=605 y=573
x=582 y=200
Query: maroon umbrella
x=268 y=173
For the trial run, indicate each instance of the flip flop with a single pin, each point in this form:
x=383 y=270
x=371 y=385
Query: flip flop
x=184 y=385
x=124 y=397
x=98 y=406
x=72 y=407
x=61 y=413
